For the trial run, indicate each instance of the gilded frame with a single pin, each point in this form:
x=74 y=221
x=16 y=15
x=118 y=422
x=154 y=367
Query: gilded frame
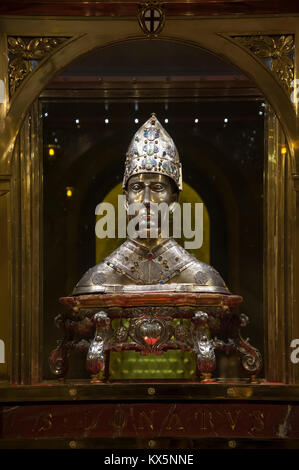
x=20 y=171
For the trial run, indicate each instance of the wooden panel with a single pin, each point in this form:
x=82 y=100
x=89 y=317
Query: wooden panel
x=163 y=391
x=129 y=8
x=150 y=421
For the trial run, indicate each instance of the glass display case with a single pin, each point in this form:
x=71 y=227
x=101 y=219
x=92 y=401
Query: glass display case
x=225 y=91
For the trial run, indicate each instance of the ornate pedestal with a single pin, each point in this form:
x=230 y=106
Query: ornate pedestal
x=158 y=321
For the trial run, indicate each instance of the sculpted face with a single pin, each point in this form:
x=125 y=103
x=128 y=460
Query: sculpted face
x=150 y=187
x=146 y=188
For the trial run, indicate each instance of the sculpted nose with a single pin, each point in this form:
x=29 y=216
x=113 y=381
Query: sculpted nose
x=146 y=196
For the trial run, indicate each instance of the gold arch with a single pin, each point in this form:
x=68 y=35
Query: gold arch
x=21 y=224
x=82 y=44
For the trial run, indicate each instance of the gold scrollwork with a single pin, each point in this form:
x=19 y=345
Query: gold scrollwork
x=24 y=55
x=276 y=52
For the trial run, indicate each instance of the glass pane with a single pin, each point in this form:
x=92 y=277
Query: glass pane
x=220 y=138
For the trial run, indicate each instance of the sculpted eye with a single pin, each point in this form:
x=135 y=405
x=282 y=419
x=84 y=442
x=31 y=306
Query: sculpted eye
x=136 y=187
x=158 y=187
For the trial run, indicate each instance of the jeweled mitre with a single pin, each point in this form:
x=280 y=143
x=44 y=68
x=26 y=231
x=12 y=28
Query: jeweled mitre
x=152 y=150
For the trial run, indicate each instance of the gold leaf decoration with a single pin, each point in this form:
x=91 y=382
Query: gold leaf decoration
x=276 y=52
x=24 y=55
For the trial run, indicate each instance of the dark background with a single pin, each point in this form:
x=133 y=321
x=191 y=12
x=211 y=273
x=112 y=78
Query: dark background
x=222 y=161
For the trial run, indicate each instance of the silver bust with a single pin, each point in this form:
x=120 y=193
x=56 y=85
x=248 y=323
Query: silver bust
x=153 y=174
x=146 y=266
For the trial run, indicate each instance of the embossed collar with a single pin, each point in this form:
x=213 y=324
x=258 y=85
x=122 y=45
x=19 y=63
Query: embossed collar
x=143 y=250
